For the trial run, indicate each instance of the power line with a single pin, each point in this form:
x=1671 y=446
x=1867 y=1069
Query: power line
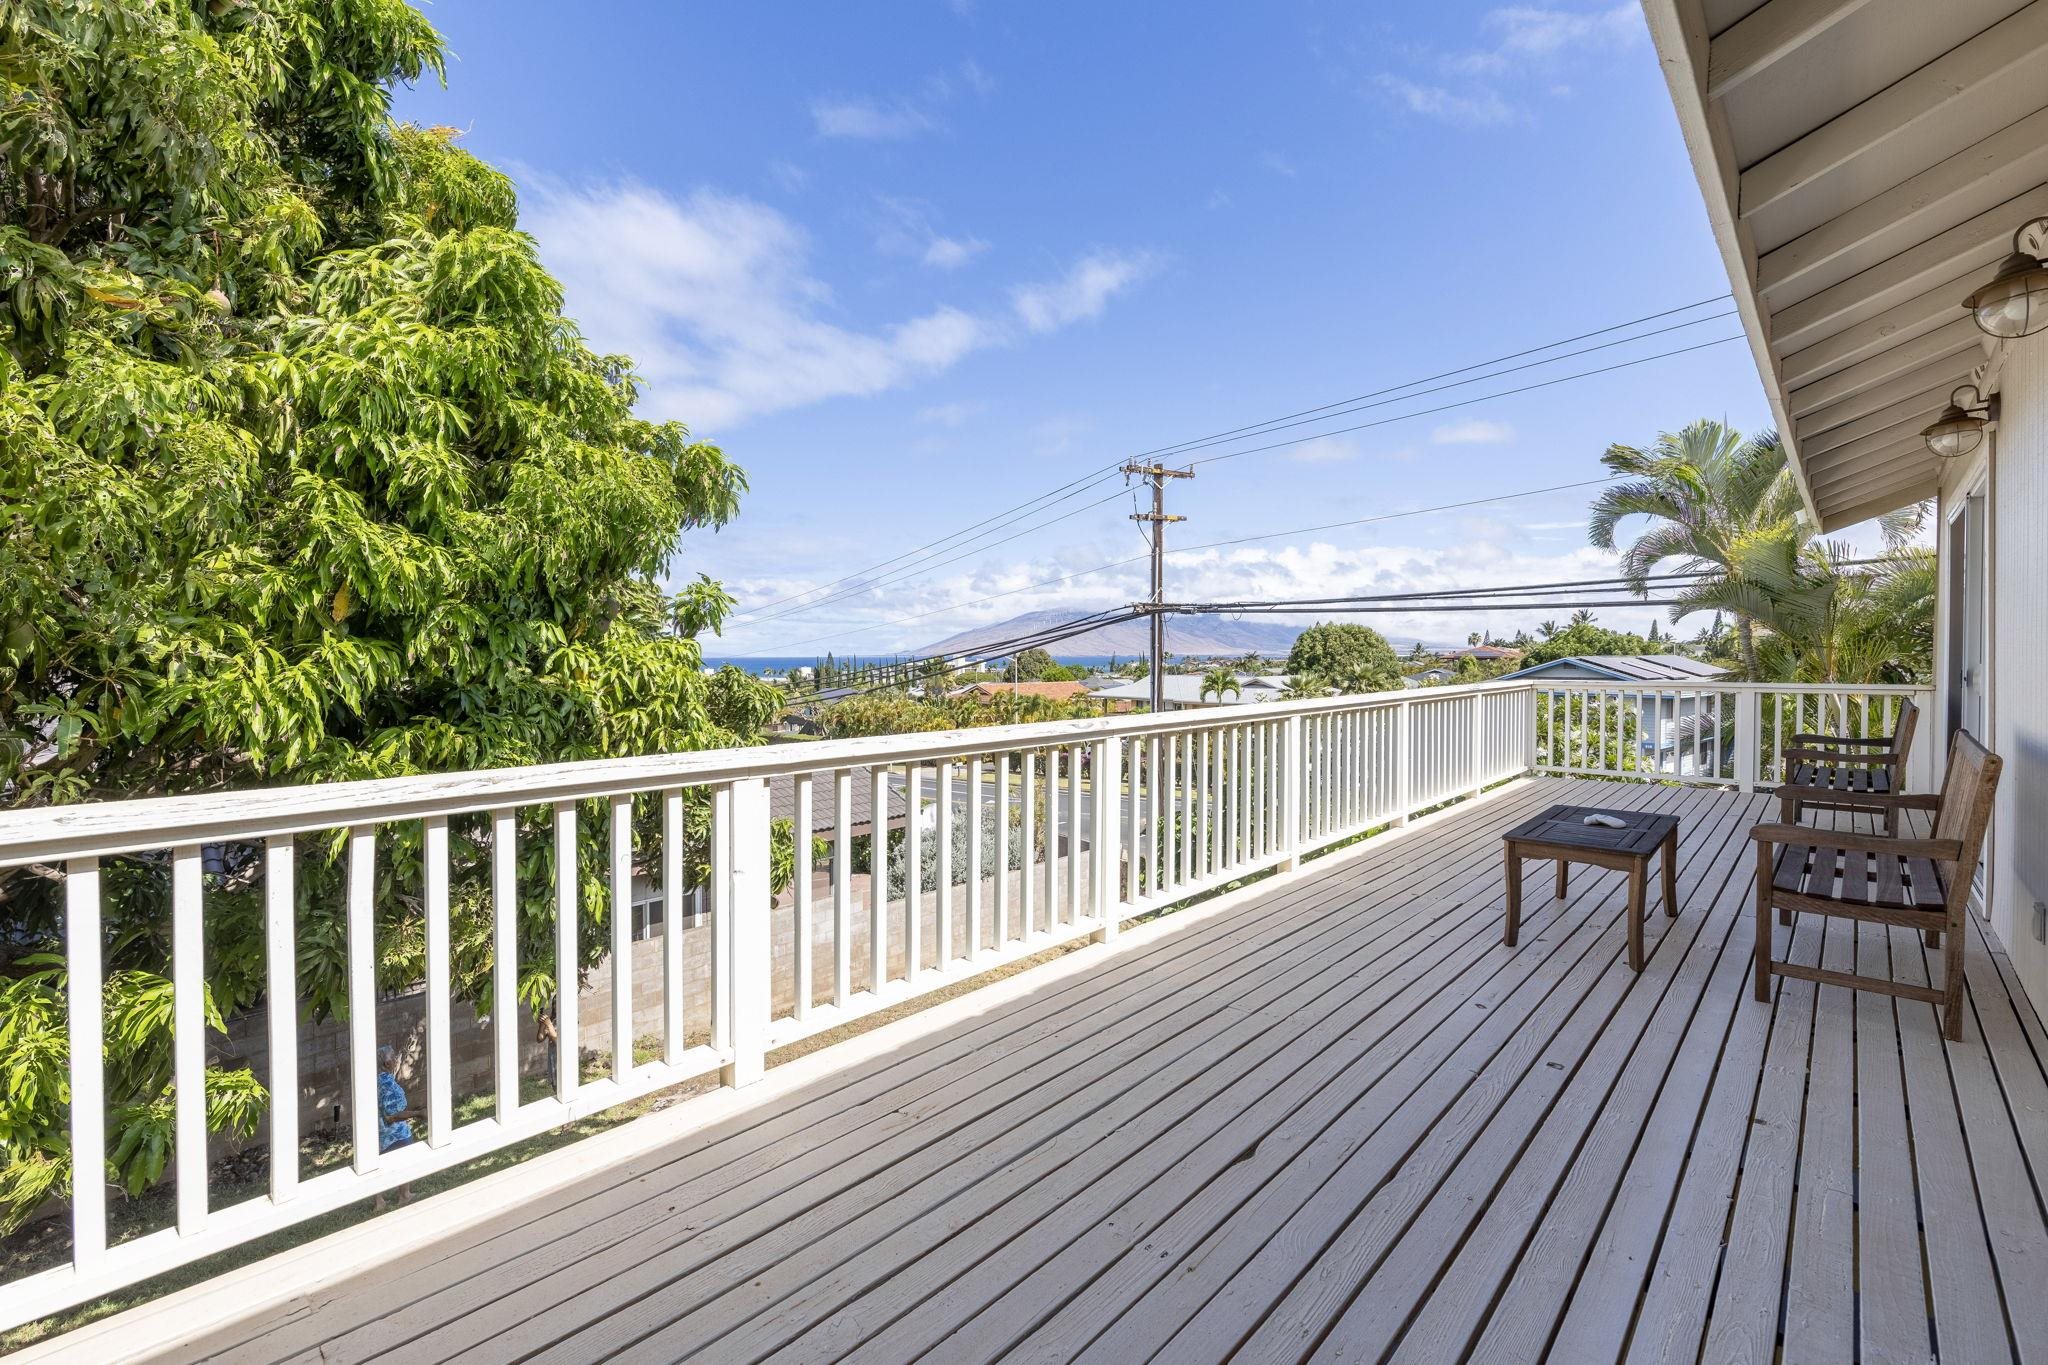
x=1254 y=450
x=1135 y=559
x=1080 y=484
x=1446 y=374
x=871 y=586
x=1001 y=648
x=1471 y=402
x=1351 y=405
x=1397 y=516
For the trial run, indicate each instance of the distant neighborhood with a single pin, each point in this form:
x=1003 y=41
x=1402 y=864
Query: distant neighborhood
x=941 y=689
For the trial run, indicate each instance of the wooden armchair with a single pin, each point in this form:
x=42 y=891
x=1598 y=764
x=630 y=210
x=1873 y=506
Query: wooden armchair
x=1835 y=772
x=1922 y=884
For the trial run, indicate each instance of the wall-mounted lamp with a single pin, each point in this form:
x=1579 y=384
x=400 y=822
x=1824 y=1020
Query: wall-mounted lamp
x=1960 y=428
x=2015 y=303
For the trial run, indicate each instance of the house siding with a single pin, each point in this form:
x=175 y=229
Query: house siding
x=2017 y=497
x=2020 y=663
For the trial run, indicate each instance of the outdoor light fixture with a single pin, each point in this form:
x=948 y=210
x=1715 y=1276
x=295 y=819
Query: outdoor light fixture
x=1960 y=428
x=2015 y=303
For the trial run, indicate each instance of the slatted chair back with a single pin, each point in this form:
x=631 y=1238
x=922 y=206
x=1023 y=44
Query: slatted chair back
x=1902 y=735
x=1968 y=789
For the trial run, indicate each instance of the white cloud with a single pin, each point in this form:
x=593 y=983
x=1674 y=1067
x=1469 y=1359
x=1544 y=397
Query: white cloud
x=1472 y=432
x=712 y=296
x=1316 y=569
x=1083 y=292
x=1278 y=164
x=907 y=230
x=950 y=253
x=1476 y=108
x=1525 y=47
x=1532 y=31
x=865 y=118
x=1325 y=450
x=868 y=120
x=947 y=414
x=790 y=176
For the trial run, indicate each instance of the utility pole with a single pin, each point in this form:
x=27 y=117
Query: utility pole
x=1157 y=475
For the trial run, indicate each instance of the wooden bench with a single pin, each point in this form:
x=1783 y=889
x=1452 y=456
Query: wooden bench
x=1923 y=884
x=1840 y=772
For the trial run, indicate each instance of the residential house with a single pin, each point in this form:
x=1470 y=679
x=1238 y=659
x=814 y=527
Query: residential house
x=1183 y=691
x=1666 y=696
x=1867 y=170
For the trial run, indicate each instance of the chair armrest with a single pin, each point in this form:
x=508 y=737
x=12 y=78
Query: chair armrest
x=1838 y=739
x=1902 y=800
x=1939 y=850
x=1884 y=760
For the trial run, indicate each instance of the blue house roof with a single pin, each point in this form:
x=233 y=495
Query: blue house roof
x=1628 y=668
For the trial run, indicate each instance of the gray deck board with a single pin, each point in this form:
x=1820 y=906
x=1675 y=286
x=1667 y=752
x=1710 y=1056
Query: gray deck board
x=1344 y=1123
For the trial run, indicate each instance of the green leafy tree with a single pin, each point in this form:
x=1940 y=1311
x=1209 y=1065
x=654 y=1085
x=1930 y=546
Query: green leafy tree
x=881 y=713
x=1036 y=665
x=1713 y=501
x=1348 y=657
x=303 y=476
x=1586 y=637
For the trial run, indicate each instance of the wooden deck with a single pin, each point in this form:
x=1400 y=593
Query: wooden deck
x=1341 y=1123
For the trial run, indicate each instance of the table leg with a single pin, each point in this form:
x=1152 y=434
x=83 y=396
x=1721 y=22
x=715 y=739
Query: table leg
x=1671 y=874
x=1514 y=860
x=1563 y=878
x=1637 y=875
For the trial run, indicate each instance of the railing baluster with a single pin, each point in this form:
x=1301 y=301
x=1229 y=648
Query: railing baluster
x=1205 y=800
x=722 y=983
x=622 y=936
x=913 y=872
x=365 y=1117
x=976 y=863
x=568 y=952
x=1002 y=886
x=281 y=994
x=805 y=898
x=86 y=1007
x=1134 y=822
x=188 y=1034
x=505 y=960
x=440 y=1093
x=878 y=883
x=945 y=887
x=1052 y=838
x=674 y=1034
x=1184 y=782
x=1076 y=911
x=1105 y=777
x=1027 y=896
x=744 y=835
x=1155 y=835
x=842 y=887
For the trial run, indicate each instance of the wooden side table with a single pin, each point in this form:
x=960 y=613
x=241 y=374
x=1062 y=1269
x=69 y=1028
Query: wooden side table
x=1562 y=833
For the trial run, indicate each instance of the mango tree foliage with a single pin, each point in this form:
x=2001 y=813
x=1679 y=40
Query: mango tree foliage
x=304 y=476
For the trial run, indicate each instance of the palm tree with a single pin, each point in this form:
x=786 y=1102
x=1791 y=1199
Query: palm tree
x=1717 y=504
x=1583 y=616
x=1546 y=630
x=1218 y=681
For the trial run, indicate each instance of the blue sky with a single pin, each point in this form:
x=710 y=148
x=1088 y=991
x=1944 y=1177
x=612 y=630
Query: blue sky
x=913 y=264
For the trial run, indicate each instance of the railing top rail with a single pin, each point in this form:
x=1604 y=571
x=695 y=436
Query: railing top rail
x=108 y=828
x=1728 y=685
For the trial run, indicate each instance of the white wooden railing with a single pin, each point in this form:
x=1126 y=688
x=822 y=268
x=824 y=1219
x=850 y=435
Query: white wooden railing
x=1732 y=734
x=1104 y=820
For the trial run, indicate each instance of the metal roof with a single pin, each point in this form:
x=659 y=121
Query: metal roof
x=1185 y=689
x=1865 y=164
x=1632 y=667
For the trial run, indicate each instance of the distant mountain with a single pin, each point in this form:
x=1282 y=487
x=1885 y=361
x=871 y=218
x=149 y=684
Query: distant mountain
x=1202 y=635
